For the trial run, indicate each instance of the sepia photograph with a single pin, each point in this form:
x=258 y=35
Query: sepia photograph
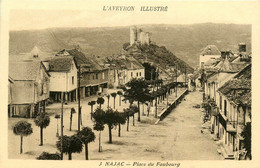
x=128 y=84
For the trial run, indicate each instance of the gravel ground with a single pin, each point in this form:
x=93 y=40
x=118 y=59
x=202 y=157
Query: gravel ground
x=177 y=137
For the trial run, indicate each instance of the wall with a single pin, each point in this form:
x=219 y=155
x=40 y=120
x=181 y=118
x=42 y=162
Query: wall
x=94 y=78
x=10 y=85
x=205 y=58
x=62 y=81
x=23 y=92
x=73 y=73
x=134 y=72
x=132 y=35
x=42 y=86
x=58 y=82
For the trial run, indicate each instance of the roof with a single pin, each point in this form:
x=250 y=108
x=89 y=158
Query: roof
x=238 y=91
x=245 y=73
x=60 y=64
x=133 y=64
x=82 y=60
x=27 y=70
x=227 y=66
x=210 y=50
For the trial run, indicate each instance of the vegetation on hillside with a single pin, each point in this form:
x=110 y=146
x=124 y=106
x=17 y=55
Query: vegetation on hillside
x=159 y=55
x=185 y=41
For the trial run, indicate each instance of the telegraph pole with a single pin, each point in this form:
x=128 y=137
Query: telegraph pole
x=176 y=80
x=79 y=109
x=186 y=85
x=61 y=119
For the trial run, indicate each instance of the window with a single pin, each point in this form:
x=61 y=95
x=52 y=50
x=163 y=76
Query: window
x=225 y=107
x=131 y=74
x=88 y=76
x=103 y=75
x=96 y=75
x=93 y=76
x=137 y=74
x=140 y=74
x=72 y=80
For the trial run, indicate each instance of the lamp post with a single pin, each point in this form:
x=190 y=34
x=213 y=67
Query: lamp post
x=79 y=108
x=61 y=130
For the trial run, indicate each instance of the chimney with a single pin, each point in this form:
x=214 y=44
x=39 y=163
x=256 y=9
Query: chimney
x=242 y=47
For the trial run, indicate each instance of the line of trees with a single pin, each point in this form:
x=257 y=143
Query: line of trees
x=137 y=90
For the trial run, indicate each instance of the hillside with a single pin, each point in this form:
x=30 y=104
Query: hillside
x=184 y=41
x=158 y=55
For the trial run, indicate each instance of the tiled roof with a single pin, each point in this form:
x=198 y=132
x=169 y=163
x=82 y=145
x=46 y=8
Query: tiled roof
x=238 y=91
x=227 y=66
x=133 y=64
x=210 y=50
x=245 y=73
x=60 y=64
x=79 y=56
x=24 y=70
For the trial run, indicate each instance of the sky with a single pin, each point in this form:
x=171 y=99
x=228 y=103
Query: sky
x=91 y=15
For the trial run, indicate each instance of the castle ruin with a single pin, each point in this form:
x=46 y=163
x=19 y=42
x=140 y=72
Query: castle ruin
x=138 y=36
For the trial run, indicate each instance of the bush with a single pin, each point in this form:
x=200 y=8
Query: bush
x=49 y=156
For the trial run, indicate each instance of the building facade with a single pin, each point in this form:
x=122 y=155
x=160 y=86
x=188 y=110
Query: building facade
x=30 y=90
x=208 y=53
x=64 y=75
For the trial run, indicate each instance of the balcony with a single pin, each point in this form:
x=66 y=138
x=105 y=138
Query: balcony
x=231 y=126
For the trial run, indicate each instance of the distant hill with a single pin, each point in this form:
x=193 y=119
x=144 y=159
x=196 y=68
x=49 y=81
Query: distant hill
x=184 y=41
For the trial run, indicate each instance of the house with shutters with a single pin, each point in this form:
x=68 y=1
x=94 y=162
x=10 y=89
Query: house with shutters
x=30 y=88
x=234 y=106
x=63 y=70
x=93 y=74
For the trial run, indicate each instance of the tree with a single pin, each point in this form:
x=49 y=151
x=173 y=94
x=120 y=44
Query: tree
x=57 y=116
x=42 y=121
x=70 y=144
x=91 y=103
x=72 y=111
x=130 y=112
x=49 y=156
x=120 y=94
x=108 y=97
x=246 y=134
x=111 y=120
x=114 y=96
x=99 y=116
x=137 y=91
x=121 y=119
x=86 y=135
x=22 y=128
x=100 y=101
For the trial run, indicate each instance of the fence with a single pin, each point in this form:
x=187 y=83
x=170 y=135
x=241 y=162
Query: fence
x=171 y=106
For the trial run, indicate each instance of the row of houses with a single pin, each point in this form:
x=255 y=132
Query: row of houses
x=227 y=88
x=40 y=78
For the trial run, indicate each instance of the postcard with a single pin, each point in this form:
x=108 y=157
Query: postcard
x=130 y=83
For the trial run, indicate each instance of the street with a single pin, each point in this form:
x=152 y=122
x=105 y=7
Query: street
x=177 y=137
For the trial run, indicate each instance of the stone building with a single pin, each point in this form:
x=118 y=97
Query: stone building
x=138 y=36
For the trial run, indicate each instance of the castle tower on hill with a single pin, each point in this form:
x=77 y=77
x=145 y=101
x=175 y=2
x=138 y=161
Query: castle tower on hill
x=138 y=36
